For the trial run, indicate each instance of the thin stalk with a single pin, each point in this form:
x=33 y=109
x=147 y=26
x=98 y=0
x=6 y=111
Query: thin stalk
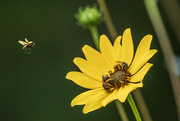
x=134 y=108
x=167 y=50
x=95 y=36
x=172 y=10
x=107 y=18
x=141 y=105
x=121 y=110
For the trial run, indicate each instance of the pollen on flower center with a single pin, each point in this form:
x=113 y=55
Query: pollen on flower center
x=118 y=78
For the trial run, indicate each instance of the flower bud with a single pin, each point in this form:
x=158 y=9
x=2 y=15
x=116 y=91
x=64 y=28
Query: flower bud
x=89 y=16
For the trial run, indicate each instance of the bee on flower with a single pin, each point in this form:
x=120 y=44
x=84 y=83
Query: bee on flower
x=111 y=73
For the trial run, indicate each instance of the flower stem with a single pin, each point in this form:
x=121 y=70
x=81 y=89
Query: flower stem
x=134 y=108
x=95 y=36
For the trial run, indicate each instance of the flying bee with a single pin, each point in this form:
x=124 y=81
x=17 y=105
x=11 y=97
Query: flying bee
x=27 y=45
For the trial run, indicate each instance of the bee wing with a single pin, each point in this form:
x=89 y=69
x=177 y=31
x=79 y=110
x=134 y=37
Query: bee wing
x=26 y=40
x=22 y=42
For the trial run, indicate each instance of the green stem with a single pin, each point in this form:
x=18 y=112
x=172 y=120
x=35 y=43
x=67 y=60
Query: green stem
x=134 y=108
x=95 y=35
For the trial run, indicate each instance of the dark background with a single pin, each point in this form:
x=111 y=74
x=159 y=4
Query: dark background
x=33 y=87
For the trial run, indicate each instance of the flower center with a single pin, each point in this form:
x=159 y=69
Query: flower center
x=118 y=78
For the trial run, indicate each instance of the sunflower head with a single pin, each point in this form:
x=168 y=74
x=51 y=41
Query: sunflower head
x=111 y=73
x=89 y=16
x=119 y=78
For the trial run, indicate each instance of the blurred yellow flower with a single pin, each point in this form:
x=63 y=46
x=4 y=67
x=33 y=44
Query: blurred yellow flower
x=111 y=74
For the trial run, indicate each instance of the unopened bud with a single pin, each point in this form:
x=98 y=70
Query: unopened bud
x=89 y=16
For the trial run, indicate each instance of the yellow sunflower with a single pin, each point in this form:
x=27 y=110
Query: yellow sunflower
x=111 y=73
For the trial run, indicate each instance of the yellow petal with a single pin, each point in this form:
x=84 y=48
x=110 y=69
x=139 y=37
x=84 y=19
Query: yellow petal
x=88 y=69
x=95 y=102
x=83 y=80
x=127 y=47
x=107 y=51
x=111 y=96
x=83 y=98
x=96 y=59
x=124 y=91
x=135 y=67
x=117 y=43
x=140 y=74
x=118 y=49
x=143 y=54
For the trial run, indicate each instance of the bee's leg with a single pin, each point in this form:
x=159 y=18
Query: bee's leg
x=110 y=72
x=29 y=51
x=117 y=67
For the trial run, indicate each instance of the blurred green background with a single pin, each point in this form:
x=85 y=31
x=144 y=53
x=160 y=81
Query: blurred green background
x=33 y=87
